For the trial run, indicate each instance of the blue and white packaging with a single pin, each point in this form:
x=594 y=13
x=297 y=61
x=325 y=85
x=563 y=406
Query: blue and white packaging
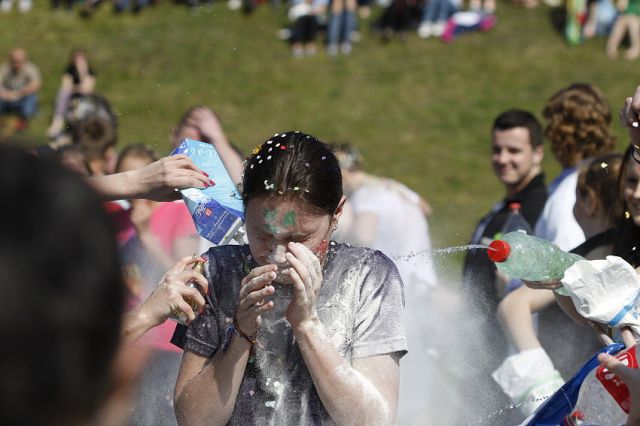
x=217 y=211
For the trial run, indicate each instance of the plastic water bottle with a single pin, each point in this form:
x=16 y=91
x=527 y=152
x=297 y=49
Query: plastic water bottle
x=595 y=406
x=529 y=258
x=515 y=220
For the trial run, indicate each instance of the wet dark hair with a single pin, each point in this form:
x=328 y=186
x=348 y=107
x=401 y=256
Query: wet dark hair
x=513 y=118
x=62 y=290
x=294 y=164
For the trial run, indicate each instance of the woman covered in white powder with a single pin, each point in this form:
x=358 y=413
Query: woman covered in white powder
x=297 y=329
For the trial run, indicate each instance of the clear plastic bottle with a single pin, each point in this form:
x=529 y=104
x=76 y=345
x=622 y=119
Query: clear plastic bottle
x=529 y=258
x=595 y=406
x=515 y=220
x=179 y=316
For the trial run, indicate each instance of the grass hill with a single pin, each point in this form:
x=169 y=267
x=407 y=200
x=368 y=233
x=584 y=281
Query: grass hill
x=419 y=110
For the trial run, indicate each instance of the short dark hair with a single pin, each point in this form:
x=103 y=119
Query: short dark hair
x=513 y=118
x=63 y=294
x=294 y=164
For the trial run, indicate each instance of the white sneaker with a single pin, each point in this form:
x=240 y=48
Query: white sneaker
x=24 y=6
x=332 y=50
x=438 y=28
x=5 y=5
x=345 y=48
x=234 y=4
x=425 y=30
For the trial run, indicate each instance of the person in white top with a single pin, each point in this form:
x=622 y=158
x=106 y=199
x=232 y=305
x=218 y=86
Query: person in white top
x=384 y=214
x=578 y=126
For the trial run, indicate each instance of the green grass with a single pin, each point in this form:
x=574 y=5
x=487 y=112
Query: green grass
x=420 y=111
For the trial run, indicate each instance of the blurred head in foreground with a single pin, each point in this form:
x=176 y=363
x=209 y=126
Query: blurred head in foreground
x=62 y=294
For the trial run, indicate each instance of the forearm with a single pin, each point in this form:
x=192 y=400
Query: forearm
x=210 y=396
x=115 y=187
x=346 y=394
x=514 y=315
x=30 y=89
x=135 y=323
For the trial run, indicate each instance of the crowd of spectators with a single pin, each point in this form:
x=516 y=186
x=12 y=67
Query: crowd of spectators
x=342 y=22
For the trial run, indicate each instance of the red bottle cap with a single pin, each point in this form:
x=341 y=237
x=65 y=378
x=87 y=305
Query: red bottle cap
x=499 y=250
x=514 y=205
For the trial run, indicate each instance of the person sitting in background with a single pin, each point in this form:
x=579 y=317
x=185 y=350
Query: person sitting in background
x=201 y=124
x=23 y=5
x=342 y=23
x=78 y=79
x=600 y=20
x=19 y=85
x=397 y=18
x=435 y=16
x=305 y=16
x=627 y=24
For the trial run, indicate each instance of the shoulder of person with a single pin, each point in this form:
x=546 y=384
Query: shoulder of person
x=363 y=256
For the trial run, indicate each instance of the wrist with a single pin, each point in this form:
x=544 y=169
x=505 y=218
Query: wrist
x=137 y=322
x=306 y=327
x=250 y=339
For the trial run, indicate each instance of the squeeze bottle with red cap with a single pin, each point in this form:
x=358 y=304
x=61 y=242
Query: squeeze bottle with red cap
x=529 y=258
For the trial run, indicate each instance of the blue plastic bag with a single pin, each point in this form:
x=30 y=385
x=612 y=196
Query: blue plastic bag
x=562 y=403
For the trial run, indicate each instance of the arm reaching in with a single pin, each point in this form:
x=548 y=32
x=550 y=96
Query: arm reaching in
x=156 y=181
x=169 y=296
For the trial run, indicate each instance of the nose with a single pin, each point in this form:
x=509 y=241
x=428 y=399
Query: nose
x=277 y=254
x=502 y=156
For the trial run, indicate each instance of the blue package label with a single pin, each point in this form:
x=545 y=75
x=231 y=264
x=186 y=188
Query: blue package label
x=217 y=211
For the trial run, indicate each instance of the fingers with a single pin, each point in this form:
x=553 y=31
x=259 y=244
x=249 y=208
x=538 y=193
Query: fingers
x=601 y=332
x=543 y=285
x=629 y=114
x=300 y=269
x=301 y=252
x=256 y=298
x=183 y=263
x=184 y=307
x=257 y=278
x=613 y=364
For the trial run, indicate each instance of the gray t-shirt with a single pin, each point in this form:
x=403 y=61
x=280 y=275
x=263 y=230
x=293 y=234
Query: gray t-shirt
x=360 y=305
